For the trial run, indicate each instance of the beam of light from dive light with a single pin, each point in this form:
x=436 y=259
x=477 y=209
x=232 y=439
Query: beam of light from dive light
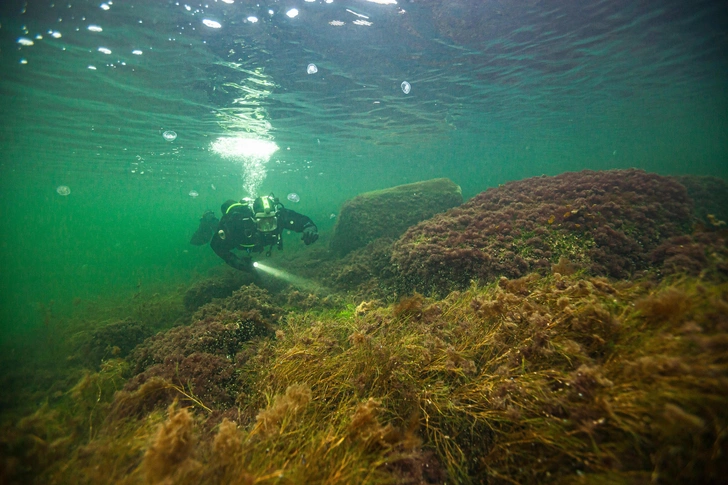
x=285 y=276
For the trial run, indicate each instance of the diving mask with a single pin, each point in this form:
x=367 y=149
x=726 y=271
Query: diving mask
x=265 y=214
x=266 y=222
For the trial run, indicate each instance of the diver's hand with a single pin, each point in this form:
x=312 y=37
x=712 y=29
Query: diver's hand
x=206 y=229
x=244 y=264
x=250 y=266
x=310 y=234
x=208 y=216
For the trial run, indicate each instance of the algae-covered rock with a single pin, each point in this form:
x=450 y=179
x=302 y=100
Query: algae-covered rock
x=710 y=199
x=390 y=212
x=220 y=286
x=114 y=340
x=608 y=223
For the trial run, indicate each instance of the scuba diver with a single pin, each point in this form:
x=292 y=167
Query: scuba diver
x=251 y=225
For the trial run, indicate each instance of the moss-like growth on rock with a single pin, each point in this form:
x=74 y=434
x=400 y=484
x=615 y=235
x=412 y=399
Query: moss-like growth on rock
x=389 y=212
x=220 y=286
x=605 y=222
x=113 y=340
x=710 y=199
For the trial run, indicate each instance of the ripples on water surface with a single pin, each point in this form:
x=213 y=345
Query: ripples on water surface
x=481 y=67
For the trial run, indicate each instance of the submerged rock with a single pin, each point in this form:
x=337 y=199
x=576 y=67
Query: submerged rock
x=606 y=223
x=390 y=212
x=221 y=286
x=710 y=199
x=114 y=340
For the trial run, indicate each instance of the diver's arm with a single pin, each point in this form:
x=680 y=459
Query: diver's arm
x=293 y=221
x=206 y=229
x=298 y=222
x=224 y=251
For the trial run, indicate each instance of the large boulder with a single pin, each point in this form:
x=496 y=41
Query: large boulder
x=390 y=212
x=607 y=223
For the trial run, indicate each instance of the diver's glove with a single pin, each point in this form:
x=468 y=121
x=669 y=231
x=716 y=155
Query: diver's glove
x=250 y=266
x=245 y=264
x=208 y=224
x=310 y=234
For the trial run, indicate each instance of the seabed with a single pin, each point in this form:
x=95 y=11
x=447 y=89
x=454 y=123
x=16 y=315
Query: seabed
x=588 y=362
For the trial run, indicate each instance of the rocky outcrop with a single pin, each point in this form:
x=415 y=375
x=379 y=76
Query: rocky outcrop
x=390 y=212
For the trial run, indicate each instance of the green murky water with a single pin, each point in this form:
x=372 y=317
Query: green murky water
x=499 y=91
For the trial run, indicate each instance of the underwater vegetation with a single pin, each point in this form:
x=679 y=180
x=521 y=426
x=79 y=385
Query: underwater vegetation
x=710 y=196
x=206 y=290
x=115 y=339
x=543 y=379
x=609 y=223
x=564 y=373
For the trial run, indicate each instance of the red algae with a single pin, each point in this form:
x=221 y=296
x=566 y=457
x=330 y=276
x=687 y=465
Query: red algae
x=604 y=222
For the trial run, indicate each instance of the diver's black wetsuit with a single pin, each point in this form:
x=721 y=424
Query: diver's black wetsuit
x=237 y=230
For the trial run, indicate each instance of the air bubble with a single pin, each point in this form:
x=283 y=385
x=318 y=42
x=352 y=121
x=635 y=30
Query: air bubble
x=213 y=24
